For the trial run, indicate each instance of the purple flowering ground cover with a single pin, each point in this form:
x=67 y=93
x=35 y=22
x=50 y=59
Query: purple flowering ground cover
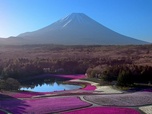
x=148 y=90
x=77 y=76
x=89 y=87
x=104 y=110
x=1 y=112
x=127 y=99
x=43 y=105
x=24 y=94
x=27 y=94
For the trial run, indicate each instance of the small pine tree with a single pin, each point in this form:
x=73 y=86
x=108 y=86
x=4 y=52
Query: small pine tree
x=125 y=78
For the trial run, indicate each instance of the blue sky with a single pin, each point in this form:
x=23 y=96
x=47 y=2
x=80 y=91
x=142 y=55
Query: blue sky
x=129 y=17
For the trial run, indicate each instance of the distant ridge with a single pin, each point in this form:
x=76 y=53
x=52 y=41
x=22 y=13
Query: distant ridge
x=76 y=29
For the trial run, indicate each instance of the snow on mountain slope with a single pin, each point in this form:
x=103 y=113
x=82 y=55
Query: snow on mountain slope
x=78 y=29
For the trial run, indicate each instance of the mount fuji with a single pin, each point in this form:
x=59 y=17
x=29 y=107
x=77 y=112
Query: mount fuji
x=75 y=29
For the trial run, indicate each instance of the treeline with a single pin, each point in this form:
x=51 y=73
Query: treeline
x=23 y=68
x=124 y=75
x=21 y=62
x=19 y=69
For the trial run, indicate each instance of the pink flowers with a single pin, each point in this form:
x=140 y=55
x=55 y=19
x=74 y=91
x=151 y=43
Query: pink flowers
x=72 y=76
x=148 y=90
x=77 y=76
x=104 y=110
x=42 y=106
x=1 y=112
x=89 y=87
x=26 y=94
x=128 y=99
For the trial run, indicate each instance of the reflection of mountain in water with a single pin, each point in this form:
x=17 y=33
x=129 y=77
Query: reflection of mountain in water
x=47 y=85
x=41 y=81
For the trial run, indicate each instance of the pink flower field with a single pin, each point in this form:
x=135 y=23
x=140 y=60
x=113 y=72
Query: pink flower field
x=25 y=94
x=104 y=110
x=128 y=99
x=1 y=112
x=89 y=87
x=77 y=76
x=148 y=90
x=43 y=105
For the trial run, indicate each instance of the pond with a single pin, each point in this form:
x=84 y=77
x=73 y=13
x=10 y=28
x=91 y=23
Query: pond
x=49 y=84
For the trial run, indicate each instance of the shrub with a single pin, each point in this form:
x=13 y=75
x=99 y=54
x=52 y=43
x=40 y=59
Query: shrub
x=2 y=84
x=9 y=84
x=125 y=78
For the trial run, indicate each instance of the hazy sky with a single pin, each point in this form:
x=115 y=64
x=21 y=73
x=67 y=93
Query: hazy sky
x=128 y=17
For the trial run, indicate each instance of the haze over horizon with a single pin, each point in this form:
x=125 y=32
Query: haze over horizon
x=128 y=17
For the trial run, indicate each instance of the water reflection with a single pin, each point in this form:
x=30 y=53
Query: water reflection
x=49 y=84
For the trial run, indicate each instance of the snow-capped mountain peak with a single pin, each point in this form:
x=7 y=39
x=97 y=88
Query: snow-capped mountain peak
x=78 y=29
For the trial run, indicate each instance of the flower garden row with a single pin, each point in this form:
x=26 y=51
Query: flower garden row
x=71 y=105
x=128 y=99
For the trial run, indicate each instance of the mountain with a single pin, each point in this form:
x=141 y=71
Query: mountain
x=13 y=41
x=76 y=29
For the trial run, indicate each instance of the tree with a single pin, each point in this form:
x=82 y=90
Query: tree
x=9 y=84
x=89 y=70
x=125 y=78
x=2 y=84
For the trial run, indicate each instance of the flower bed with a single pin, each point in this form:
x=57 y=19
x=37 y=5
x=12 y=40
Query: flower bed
x=78 y=76
x=1 y=112
x=41 y=106
x=128 y=99
x=89 y=87
x=25 y=94
x=148 y=90
x=104 y=110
